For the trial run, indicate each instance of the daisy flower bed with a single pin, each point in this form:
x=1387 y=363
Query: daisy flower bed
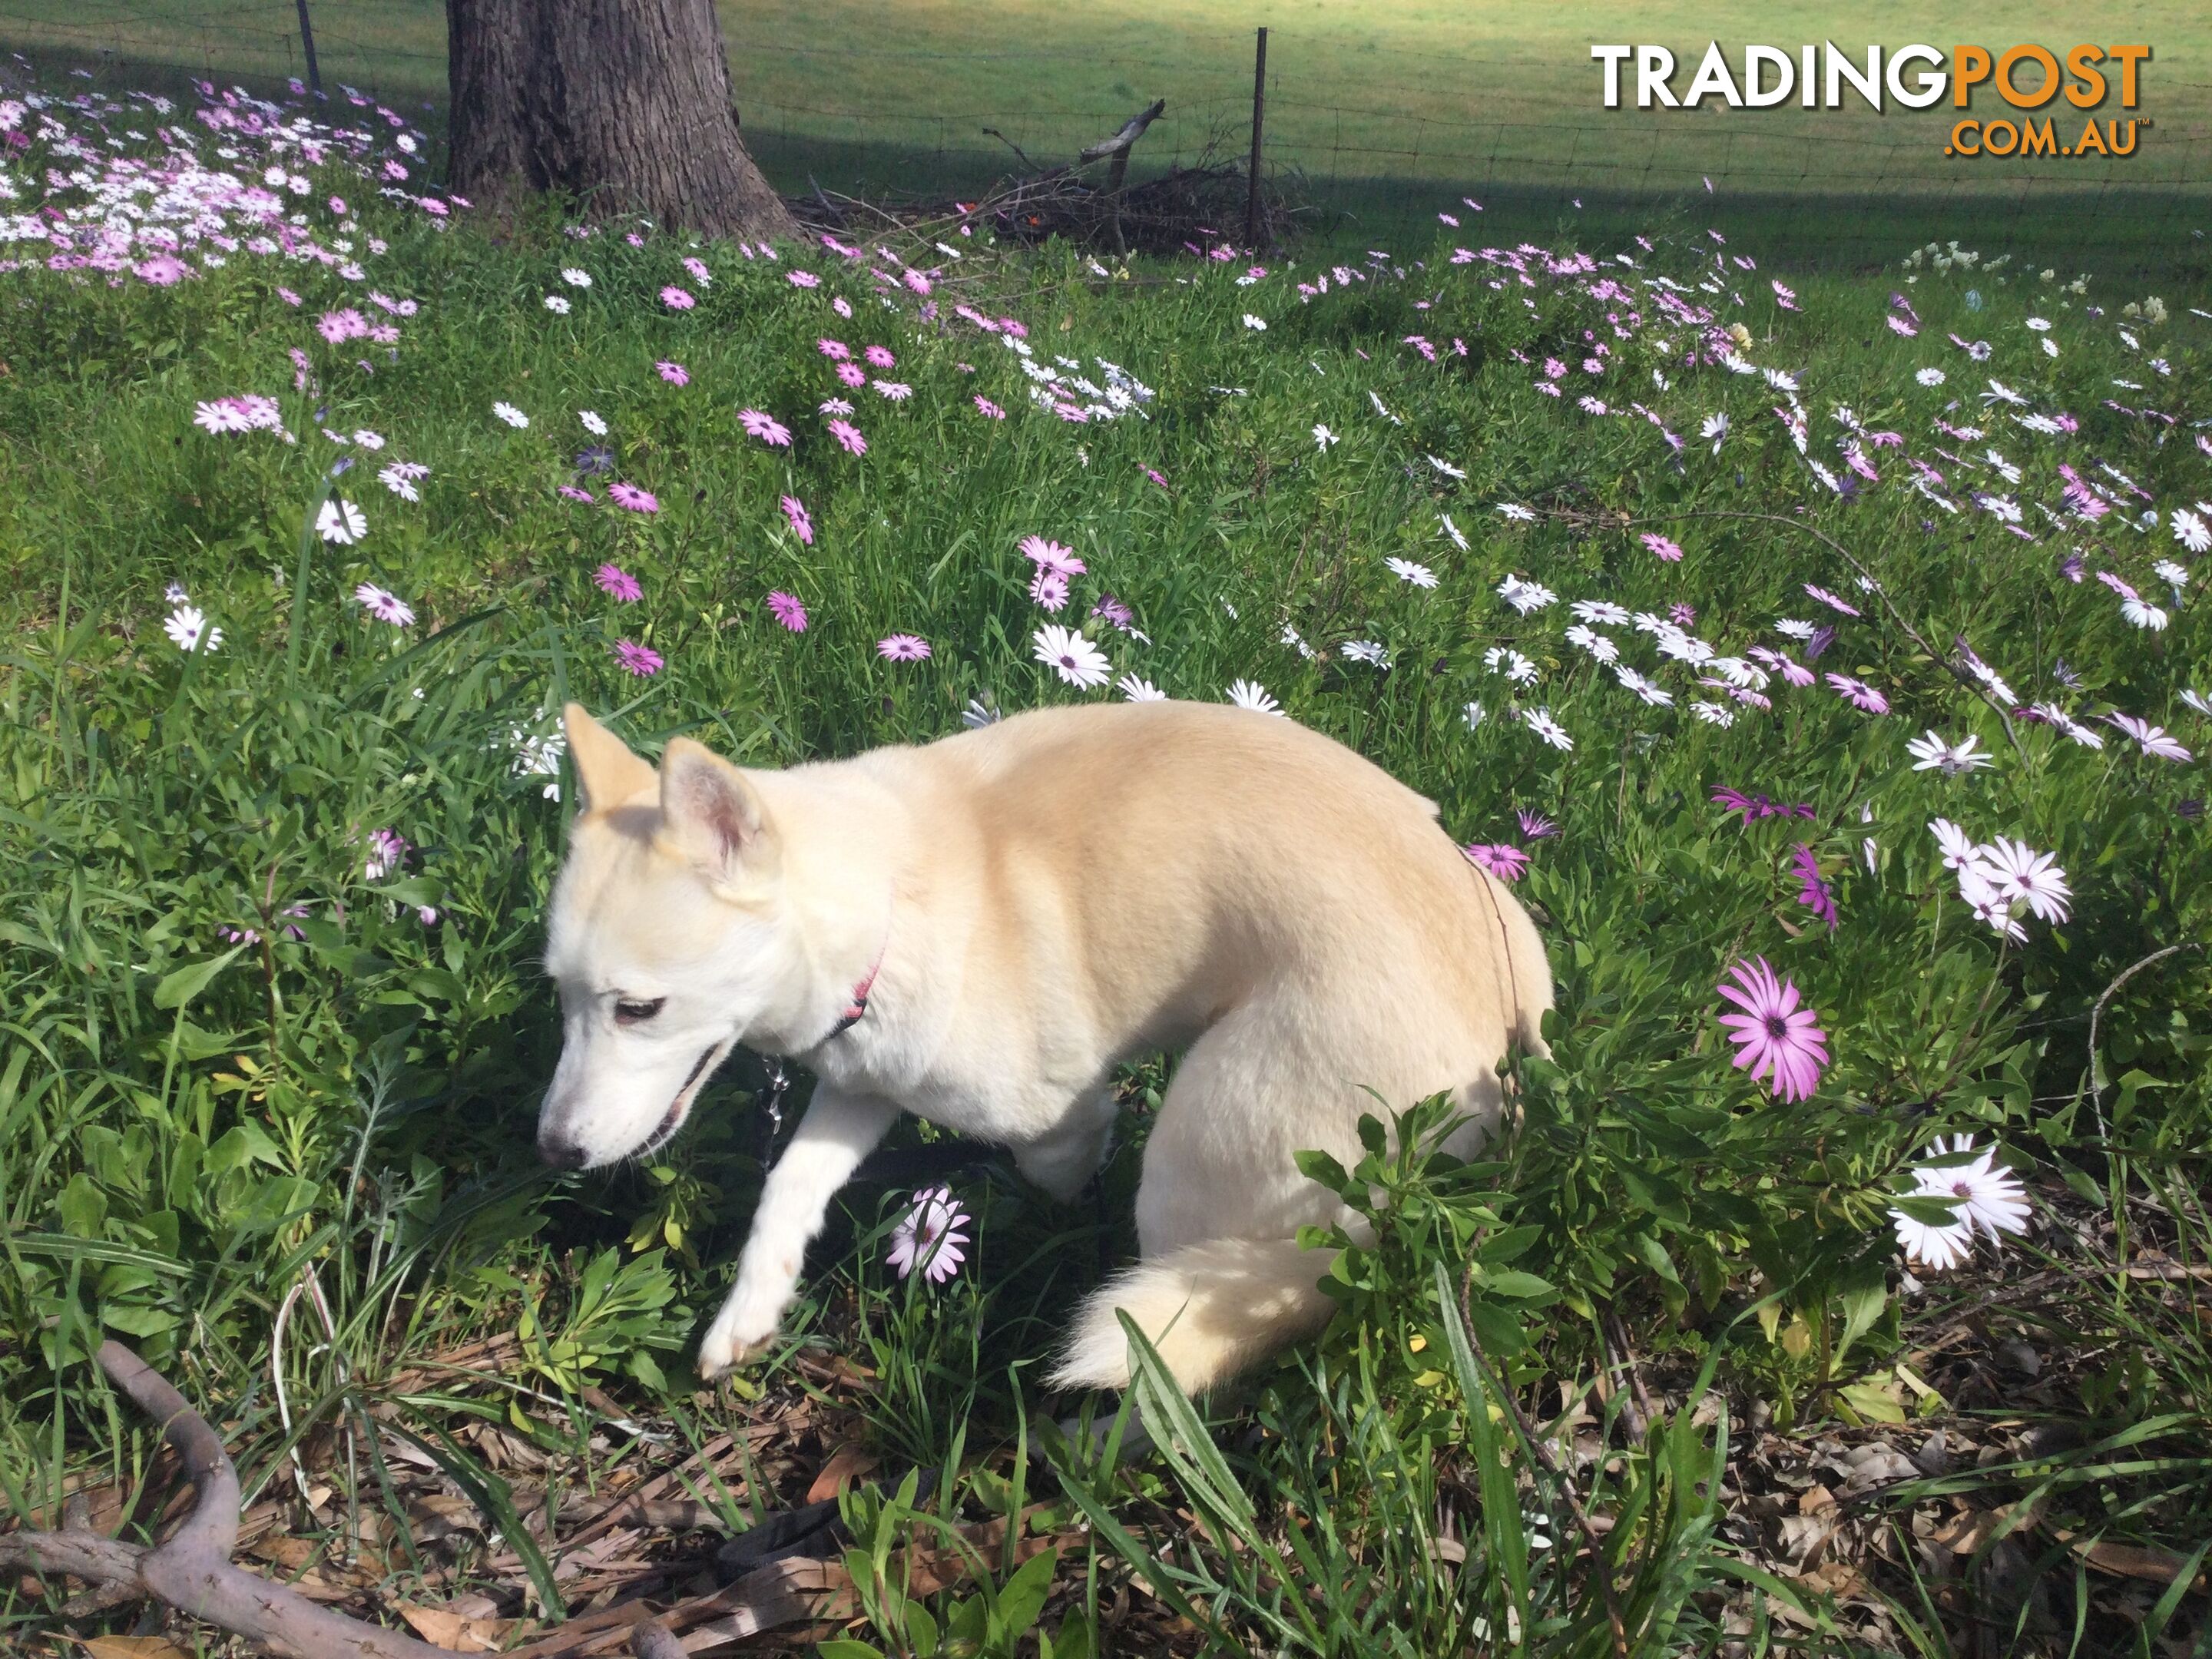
x=1826 y=664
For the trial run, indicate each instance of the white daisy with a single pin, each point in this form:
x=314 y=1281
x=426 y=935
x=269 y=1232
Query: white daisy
x=1250 y=694
x=1539 y=721
x=188 y=628
x=514 y=416
x=1138 y=690
x=1932 y=753
x=2019 y=873
x=1407 y=571
x=592 y=422
x=1071 y=656
x=341 y=522
x=1525 y=596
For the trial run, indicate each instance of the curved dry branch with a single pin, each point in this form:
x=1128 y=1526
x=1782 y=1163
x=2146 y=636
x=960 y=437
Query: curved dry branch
x=193 y=1572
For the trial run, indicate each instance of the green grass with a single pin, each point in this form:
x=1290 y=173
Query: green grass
x=1383 y=114
x=192 y=1123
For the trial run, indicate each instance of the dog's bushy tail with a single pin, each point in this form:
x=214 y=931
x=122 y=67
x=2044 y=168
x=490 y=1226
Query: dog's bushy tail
x=1210 y=1308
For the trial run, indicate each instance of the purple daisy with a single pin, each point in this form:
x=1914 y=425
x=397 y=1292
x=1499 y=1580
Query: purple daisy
x=1812 y=892
x=1776 y=1038
x=639 y=659
x=1535 y=826
x=902 y=647
x=786 y=610
x=1497 y=859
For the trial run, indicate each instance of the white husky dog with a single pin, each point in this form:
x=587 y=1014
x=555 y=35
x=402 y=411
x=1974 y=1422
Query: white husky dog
x=979 y=931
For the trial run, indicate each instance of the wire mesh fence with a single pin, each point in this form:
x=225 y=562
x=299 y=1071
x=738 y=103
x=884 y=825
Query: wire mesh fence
x=1371 y=141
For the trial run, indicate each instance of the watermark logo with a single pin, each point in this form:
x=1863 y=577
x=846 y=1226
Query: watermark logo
x=2025 y=78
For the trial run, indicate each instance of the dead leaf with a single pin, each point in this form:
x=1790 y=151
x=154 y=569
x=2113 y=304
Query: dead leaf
x=2157 y=1567
x=1966 y=1533
x=134 y=1647
x=449 y=1630
x=1814 y=1499
x=848 y=1462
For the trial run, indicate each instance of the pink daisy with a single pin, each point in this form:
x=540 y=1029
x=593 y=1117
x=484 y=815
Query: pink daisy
x=1048 y=587
x=832 y=349
x=1051 y=556
x=851 y=374
x=765 y=428
x=614 y=580
x=929 y=1237
x=902 y=647
x=674 y=374
x=1668 y=550
x=636 y=500
x=1860 y=695
x=676 y=299
x=803 y=279
x=989 y=408
x=639 y=659
x=1831 y=600
x=575 y=495
x=881 y=357
x=1775 y=1037
x=801 y=526
x=786 y=610
x=848 y=435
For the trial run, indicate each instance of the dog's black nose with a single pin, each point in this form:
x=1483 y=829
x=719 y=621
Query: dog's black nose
x=560 y=1154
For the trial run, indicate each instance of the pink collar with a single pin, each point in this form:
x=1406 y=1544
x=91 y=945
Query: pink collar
x=857 y=1004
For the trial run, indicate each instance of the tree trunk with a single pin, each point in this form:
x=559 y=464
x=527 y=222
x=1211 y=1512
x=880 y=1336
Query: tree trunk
x=622 y=103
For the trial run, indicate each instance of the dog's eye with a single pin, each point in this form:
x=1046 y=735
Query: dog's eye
x=636 y=1013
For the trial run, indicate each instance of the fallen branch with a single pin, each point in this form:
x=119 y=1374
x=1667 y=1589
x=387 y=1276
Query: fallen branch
x=193 y=1572
x=1131 y=130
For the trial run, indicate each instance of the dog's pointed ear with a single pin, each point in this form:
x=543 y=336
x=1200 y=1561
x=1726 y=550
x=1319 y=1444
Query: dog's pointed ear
x=609 y=773
x=711 y=814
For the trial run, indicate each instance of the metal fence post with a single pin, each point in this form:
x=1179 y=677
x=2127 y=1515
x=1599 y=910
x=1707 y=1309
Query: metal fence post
x=307 y=50
x=1259 y=111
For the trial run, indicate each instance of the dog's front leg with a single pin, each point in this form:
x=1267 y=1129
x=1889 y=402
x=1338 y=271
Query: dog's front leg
x=838 y=1131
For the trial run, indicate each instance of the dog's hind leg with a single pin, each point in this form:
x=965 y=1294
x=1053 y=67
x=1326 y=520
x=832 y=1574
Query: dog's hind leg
x=838 y=1131
x=1062 y=1161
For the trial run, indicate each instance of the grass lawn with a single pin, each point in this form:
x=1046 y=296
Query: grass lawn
x=1852 y=628
x=1386 y=112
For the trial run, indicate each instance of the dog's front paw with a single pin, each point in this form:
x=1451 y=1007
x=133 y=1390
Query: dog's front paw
x=732 y=1342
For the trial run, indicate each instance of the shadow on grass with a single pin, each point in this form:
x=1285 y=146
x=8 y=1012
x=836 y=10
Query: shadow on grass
x=2138 y=231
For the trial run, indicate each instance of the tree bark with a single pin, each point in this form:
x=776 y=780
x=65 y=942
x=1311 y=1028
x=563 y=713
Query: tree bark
x=624 y=105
